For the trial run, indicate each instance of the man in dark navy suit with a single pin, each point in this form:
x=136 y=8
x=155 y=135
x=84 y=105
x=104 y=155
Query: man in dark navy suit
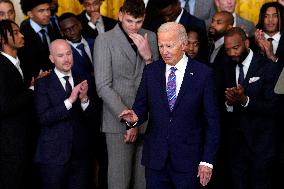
x=183 y=130
x=82 y=49
x=62 y=106
x=250 y=107
x=92 y=21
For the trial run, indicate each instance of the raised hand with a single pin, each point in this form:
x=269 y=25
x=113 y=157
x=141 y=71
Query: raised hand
x=142 y=45
x=75 y=93
x=83 y=90
x=131 y=135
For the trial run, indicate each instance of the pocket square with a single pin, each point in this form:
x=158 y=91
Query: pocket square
x=253 y=79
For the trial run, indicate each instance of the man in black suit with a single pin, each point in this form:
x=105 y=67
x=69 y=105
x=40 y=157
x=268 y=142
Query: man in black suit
x=16 y=115
x=250 y=105
x=82 y=49
x=92 y=21
x=62 y=106
x=38 y=36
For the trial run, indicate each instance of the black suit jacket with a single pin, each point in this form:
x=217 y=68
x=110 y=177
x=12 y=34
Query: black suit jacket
x=33 y=55
x=16 y=102
x=89 y=32
x=63 y=132
x=257 y=120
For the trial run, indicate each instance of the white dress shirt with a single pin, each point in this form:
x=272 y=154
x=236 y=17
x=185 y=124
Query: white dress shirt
x=181 y=66
x=275 y=42
x=15 y=62
x=60 y=76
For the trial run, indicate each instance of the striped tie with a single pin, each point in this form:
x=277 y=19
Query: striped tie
x=171 y=88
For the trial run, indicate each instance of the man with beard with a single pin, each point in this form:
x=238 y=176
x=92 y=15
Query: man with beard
x=221 y=22
x=38 y=36
x=250 y=104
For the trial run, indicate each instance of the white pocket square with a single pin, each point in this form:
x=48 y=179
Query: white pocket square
x=253 y=79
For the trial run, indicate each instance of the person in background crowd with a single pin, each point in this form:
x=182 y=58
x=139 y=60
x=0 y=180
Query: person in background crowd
x=230 y=6
x=92 y=21
x=7 y=10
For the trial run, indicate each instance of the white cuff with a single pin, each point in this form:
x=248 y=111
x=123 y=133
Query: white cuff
x=229 y=108
x=68 y=104
x=85 y=105
x=206 y=164
x=246 y=105
x=93 y=26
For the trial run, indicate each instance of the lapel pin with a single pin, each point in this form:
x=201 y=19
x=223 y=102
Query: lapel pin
x=191 y=73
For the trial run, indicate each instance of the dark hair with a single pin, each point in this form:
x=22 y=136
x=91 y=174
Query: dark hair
x=7 y=1
x=279 y=10
x=27 y=5
x=5 y=28
x=135 y=8
x=82 y=1
x=236 y=30
x=229 y=15
x=66 y=16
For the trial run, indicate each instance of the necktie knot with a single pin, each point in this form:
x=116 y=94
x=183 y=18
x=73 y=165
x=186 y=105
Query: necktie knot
x=68 y=87
x=270 y=39
x=173 y=69
x=81 y=47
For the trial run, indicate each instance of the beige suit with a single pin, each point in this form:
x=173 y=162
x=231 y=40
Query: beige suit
x=118 y=71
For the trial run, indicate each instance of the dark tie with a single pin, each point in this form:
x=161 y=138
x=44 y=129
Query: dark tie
x=270 y=39
x=53 y=23
x=171 y=88
x=85 y=56
x=68 y=87
x=241 y=74
x=43 y=37
x=186 y=6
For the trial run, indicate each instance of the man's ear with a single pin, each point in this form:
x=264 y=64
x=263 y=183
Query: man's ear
x=30 y=14
x=51 y=58
x=247 y=42
x=120 y=16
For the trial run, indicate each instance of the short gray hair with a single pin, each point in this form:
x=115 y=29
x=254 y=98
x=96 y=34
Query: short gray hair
x=175 y=27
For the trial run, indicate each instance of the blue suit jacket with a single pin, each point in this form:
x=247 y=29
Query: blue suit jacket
x=189 y=134
x=60 y=128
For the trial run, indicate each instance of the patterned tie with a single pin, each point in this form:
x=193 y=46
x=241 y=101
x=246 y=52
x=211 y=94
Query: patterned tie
x=68 y=87
x=241 y=74
x=171 y=88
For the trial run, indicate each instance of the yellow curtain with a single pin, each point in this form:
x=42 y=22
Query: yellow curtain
x=249 y=9
x=109 y=8
x=69 y=6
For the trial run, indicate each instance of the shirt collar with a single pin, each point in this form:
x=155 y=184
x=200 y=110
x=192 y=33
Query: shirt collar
x=248 y=59
x=181 y=65
x=89 y=18
x=219 y=42
x=11 y=58
x=60 y=74
x=83 y=40
x=275 y=37
x=179 y=16
x=37 y=27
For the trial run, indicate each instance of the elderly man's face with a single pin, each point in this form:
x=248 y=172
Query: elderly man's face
x=7 y=11
x=170 y=47
x=226 y=5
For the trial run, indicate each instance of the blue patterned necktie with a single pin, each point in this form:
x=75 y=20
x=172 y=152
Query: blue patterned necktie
x=171 y=88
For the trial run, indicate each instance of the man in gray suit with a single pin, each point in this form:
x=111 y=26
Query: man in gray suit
x=119 y=58
x=229 y=6
x=203 y=9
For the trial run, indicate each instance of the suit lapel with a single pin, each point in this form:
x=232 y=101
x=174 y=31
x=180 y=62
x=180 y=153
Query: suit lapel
x=124 y=44
x=186 y=83
x=162 y=82
x=56 y=86
x=254 y=66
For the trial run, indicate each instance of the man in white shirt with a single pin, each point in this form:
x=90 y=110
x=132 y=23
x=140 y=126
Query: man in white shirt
x=268 y=38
